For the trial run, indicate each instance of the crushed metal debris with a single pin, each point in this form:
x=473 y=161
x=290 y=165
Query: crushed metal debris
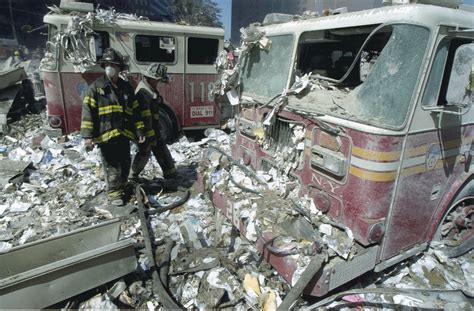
x=210 y=264
x=76 y=40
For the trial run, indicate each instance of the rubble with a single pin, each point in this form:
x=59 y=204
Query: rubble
x=211 y=265
x=229 y=74
x=78 y=33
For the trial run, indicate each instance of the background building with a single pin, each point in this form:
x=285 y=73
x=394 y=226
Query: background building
x=19 y=17
x=245 y=12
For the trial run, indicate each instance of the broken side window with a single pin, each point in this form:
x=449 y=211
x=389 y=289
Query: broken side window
x=79 y=46
x=265 y=73
x=378 y=85
x=51 y=49
x=330 y=53
x=385 y=95
x=150 y=49
x=437 y=85
x=101 y=42
x=202 y=51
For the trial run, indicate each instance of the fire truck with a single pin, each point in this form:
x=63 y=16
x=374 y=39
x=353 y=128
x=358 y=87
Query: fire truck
x=189 y=53
x=379 y=140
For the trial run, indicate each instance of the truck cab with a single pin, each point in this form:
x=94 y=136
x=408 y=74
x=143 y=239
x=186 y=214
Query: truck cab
x=369 y=114
x=189 y=53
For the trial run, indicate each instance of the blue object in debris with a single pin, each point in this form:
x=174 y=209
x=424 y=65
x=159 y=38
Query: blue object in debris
x=48 y=157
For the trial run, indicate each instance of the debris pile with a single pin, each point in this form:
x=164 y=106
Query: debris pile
x=21 y=88
x=77 y=39
x=56 y=187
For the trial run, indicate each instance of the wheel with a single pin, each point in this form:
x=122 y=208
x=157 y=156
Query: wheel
x=456 y=231
x=170 y=130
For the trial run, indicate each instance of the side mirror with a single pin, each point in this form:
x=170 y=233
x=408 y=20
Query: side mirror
x=26 y=28
x=461 y=82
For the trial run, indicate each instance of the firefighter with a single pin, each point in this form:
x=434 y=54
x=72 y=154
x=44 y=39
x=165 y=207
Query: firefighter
x=150 y=99
x=110 y=116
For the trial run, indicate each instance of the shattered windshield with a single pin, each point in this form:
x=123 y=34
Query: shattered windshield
x=379 y=87
x=265 y=73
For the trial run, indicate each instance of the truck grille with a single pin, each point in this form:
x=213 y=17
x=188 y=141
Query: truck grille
x=280 y=134
x=266 y=165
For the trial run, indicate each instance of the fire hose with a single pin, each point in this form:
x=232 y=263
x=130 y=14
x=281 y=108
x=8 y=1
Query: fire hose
x=165 y=298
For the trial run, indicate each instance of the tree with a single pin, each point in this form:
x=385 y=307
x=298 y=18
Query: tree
x=197 y=12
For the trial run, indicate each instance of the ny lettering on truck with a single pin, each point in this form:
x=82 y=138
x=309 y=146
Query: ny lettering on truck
x=373 y=132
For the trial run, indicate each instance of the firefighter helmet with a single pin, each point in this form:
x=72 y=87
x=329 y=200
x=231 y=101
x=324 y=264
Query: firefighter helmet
x=112 y=56
x=157 y=72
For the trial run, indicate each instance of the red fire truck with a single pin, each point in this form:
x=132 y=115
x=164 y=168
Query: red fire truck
x=189 y=53
x=386 y=153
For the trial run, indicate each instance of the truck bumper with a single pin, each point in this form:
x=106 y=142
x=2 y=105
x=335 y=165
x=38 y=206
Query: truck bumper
x=334 y=272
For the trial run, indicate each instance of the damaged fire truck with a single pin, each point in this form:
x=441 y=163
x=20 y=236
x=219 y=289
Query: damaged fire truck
x=77 y=40
x=368 y=116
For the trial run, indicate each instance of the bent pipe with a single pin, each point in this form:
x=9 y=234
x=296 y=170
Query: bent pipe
x=315 y=265
x=268 y=245
x=165 y=266
x=242 y=187
x=158 y=209
x=414 y=292
x=165 y=299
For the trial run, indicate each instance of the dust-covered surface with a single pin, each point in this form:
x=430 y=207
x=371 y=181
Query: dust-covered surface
x=211 y=264
x=76 y=38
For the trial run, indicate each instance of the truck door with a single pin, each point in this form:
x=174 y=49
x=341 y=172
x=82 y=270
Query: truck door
x=200 y=109
x=439 y=135
x=166 y=49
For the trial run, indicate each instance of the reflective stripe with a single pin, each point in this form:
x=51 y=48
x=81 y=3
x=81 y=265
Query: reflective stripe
x=110 y=109
x=129 y=111
x=129 y=134
x=146 y=113
x=108 y=135
x=139 y=124
x=150 y=133
x=89 y=101
x=135 y=104
x=87 y=125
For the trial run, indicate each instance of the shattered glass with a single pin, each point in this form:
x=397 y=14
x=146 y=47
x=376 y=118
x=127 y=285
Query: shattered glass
x=265 y=73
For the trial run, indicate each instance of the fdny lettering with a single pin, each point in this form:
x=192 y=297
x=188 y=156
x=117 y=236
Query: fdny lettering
x=248 y=144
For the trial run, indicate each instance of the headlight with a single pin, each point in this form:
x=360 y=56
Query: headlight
x=328 y=160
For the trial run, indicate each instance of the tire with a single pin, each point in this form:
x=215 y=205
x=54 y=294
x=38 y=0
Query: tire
x=456 y=230
x=170 y=130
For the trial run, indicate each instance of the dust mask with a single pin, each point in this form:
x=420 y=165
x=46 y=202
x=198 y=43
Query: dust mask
x=110 y=71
